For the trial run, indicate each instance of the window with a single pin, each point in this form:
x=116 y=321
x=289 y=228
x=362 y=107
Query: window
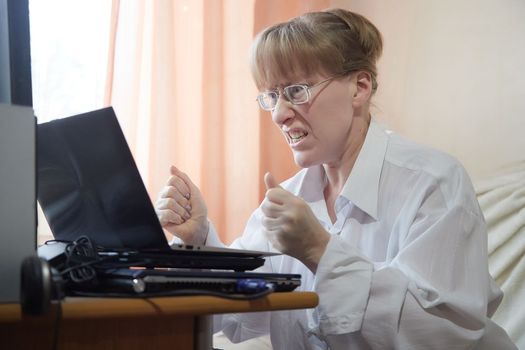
x=69 y=59
x=69 y=51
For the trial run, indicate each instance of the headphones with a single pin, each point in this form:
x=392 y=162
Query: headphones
x=40 y=284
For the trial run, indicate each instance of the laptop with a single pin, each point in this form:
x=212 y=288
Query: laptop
x=160 y=282
x=89 y=185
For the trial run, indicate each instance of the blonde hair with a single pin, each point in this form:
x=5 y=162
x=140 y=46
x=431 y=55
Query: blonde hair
x=333 y=42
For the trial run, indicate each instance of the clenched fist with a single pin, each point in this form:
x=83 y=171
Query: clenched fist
x=291 y=226
x=181 y=209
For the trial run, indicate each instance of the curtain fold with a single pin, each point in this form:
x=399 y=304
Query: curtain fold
x=179 y=81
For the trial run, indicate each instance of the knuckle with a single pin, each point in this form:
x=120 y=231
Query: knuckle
x=172 y=191
x=173 y=180
x=286 y=227
x=288 y=216
x=171 y=203
x=163 y=192
x=162 y=218
x=177 y=219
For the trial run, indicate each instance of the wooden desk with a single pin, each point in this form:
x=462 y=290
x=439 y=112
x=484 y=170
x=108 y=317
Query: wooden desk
x=129 y=324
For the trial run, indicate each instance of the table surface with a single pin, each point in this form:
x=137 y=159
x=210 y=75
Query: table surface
x=100 y=308
x=182 y=322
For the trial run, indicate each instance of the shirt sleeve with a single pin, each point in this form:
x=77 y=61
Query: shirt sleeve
x=244 y=326
x=212 y=238
x=432 y=295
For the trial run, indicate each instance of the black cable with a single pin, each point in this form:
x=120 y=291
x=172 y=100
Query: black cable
x=81 y=254
x=105 y=262
x=56 y=330
x=82 y=262
x=179 y=292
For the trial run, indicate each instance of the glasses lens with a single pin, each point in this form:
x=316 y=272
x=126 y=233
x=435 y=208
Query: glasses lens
x=296 y=93
x=268 y=100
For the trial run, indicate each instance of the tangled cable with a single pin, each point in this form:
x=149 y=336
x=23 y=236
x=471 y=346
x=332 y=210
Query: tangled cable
x=81 y=256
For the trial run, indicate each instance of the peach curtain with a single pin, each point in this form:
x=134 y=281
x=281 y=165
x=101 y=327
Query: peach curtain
x=179 y=81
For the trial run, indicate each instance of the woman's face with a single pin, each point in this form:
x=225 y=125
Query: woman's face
x=318 y=132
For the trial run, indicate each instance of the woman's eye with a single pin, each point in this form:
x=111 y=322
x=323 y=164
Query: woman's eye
x=296 y=91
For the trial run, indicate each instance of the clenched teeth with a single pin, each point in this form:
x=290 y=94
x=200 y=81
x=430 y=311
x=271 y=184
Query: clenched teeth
x=296 y=135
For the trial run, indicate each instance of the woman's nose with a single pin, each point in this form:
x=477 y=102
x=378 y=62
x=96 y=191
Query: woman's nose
x=283 y=111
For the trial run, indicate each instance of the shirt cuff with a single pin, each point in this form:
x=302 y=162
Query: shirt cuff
x=212 y=239
x=343 y=281
x=387 y=296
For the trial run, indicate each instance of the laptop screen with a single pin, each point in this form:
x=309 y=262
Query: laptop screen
x=88 y=183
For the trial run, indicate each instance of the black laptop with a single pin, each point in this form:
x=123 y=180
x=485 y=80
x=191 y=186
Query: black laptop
x=159 y=282
x=89 y=185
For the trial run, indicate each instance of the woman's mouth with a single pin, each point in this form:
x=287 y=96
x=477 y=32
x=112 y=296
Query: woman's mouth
x=295 y=136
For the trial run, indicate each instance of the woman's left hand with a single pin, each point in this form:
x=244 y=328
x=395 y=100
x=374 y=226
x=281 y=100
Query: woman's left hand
x=291 y=226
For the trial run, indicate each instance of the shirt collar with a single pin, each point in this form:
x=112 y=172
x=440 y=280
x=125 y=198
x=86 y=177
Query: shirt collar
x=362 y=186
x=312 y=185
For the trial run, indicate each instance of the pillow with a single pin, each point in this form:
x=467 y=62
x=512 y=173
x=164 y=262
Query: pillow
x=502 y=200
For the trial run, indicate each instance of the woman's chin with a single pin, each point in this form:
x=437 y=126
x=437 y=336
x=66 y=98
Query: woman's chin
x=304 y=161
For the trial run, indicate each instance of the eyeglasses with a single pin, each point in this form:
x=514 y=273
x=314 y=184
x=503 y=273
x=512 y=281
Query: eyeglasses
x=297 y=94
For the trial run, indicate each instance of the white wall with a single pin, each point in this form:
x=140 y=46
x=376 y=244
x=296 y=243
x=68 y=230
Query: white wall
x=452 y=75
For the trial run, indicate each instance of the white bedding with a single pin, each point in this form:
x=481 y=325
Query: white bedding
x=502 y=199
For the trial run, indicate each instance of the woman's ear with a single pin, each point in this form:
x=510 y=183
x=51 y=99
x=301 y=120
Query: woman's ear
x=363 y=89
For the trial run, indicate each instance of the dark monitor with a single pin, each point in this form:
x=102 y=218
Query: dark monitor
x=15 y=53
x=17 y=195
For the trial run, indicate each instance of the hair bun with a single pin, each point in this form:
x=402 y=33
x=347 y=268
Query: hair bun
x=367 y=34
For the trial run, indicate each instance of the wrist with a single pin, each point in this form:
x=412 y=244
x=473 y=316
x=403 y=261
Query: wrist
x=316 y=250
x=201 y=233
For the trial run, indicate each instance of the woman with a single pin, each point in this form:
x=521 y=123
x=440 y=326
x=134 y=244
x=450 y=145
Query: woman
x=387 y=232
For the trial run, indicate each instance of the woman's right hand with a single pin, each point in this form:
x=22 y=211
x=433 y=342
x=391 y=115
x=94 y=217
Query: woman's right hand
x=181 y=209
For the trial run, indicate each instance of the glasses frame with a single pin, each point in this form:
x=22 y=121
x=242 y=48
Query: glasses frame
x=285 y=92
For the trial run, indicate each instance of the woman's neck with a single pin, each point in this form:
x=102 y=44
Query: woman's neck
x=337 y=173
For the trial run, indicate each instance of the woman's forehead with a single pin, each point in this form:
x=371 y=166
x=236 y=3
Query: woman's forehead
x=281 y=78
x=285 y=81
x=277 y=75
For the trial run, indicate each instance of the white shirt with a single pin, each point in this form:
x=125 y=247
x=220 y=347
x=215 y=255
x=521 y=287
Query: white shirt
x=406 y=266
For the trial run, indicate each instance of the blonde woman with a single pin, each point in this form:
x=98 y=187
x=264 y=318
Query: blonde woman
x=387 y=232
